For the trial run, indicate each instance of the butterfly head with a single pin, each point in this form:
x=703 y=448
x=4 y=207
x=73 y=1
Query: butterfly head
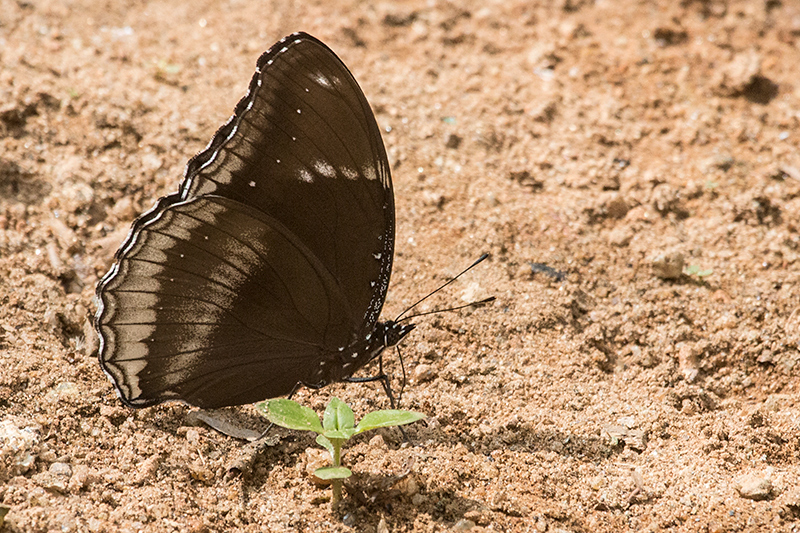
x=393 y=332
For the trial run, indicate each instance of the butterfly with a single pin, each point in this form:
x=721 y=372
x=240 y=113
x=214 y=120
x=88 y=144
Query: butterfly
x=269 y=267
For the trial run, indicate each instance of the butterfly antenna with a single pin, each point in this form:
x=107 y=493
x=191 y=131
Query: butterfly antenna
x=437 y=311
x=478 y=261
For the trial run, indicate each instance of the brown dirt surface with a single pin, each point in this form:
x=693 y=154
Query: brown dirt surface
x=631 y=166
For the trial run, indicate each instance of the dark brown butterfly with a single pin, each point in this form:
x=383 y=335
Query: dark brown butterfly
x=269 y=267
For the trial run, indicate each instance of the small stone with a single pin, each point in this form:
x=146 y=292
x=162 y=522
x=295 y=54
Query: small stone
x=92 y=344
x=753 y=487
x=617 y=207
x=192 y=436
x=688 y=407
x=56 y=478
x=123 y=209
x=620 y=237
x=317 y=458
x=81 y=478
x=669 y=266
x=408 y=486
x=51 y=482
x=463 y=525
x=422 y=373
x=766 y=357
x=61 y=469
x=688 y=361
x=733 y=78
x=382 y=526
x=147 y=470
x=349 y=520
x=477 y=517
x=200 y=472
x=453 y=141
x=433 y=199
x=377 y=442
x=19 y=448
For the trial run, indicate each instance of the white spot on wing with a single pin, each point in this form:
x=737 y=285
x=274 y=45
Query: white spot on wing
x=369 y=173
x=349 y=173
x=305 y=175
x=324 y=168
x=322 y=80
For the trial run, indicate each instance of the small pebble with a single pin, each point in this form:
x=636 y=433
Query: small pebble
x=669 y=266
x=61 y=469
x=422 y=373
x=19 y=447
x=81 y=477
x=617 y=208
x=349 y=520
x=377 y=442
x=192 y=436
x=620 y=236
x=147 y=470
x=453 y=141
x=382 y=526
x=317 y=458
x=463 y=525
x=753 y=487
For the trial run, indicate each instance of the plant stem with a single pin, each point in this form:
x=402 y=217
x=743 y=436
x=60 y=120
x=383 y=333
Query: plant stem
x=337 y=462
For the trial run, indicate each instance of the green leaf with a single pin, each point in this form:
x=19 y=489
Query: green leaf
x=387 y=418
x=694 y=270
x=338 y=415
x=339 y=434
x=325 y=443
x=290 y=414
x=330 y=472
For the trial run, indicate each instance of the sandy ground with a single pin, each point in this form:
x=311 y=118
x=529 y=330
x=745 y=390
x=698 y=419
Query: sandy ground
x=646 y=153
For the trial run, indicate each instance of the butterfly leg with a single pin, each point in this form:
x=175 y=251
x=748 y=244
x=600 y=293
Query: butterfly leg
x=380 y=376
x=387 y=387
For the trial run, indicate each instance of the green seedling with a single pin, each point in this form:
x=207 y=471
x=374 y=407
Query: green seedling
x=337 y=427
x=694 y=270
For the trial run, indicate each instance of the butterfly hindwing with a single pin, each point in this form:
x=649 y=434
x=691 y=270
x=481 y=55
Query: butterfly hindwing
x=199 y=300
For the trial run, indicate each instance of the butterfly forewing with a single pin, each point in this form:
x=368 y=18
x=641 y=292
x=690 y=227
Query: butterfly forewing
x=304 y=147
